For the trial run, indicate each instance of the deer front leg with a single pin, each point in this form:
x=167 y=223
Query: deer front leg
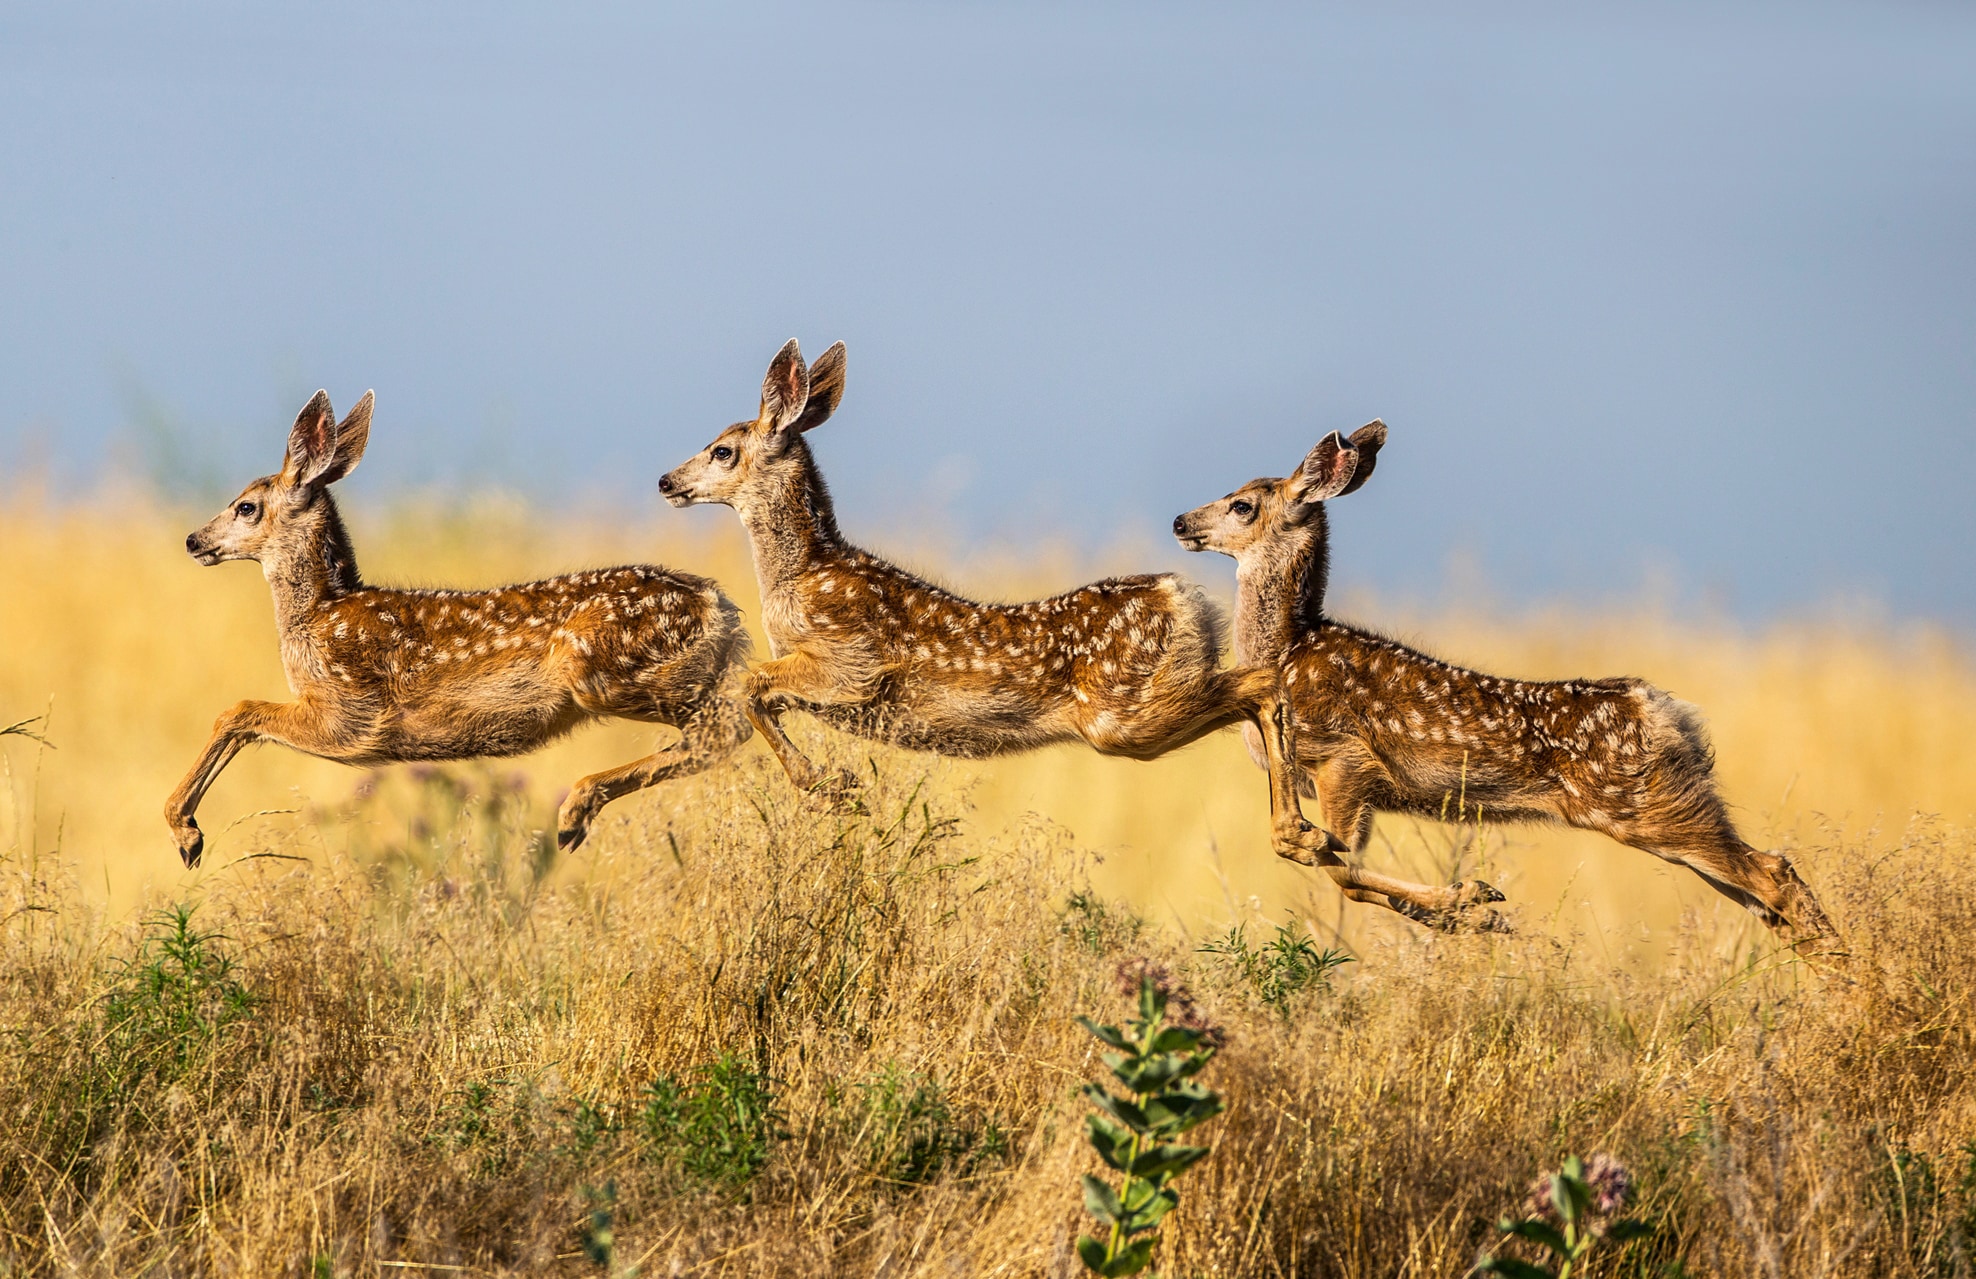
x=769 y=689
x=1438 y=908
x=1347 y=789
x=248 y=722
x=705 y=739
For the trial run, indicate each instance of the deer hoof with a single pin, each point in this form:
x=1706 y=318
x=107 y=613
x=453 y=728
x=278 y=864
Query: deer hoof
x=1307 y=845
x=1475 y=892
x=570 y=838
x=191 y=843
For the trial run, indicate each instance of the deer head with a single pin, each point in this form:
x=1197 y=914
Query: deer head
x=1262 y=512
x=750 y=462
x=281 y=514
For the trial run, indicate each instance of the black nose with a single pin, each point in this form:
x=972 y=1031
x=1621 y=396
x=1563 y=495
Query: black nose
x=665 y=484
x=1179 y=526
x=192 y=542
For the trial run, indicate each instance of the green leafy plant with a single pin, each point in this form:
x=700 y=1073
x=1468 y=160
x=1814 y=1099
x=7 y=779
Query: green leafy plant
x=1156 y=1063
x=913 y=1132
x=1286 y=965
x=174 y=1000
x=1569 y=1214
x=718 y=1125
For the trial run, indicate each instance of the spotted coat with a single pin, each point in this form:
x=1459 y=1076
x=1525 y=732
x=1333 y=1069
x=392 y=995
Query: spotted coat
x=1129 y=665
x=382 y=675
x=1381 y=727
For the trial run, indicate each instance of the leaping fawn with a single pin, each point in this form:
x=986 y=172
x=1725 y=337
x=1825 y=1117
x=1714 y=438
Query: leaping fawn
x=1128 y=665
x=382 y=676
x=1382 y=728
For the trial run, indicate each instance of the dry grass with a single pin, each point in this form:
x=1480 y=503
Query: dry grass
x=413 y=1037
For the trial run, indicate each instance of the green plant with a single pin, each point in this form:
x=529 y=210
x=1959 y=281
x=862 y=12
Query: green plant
x=173 y=1000
x=1569 y=1214
x=912 y=1132
x=589 y=1126
x=1288 y=964
x=1156 y=1062
x=718 y=1126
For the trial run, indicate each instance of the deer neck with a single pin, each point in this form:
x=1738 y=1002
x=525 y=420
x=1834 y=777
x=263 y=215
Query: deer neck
x=310 y=565
x=790 y=521
x=1280 y=594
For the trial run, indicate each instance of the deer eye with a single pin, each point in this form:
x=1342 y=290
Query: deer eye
x=247 y=510
x=1241 y=508
x=722 y=453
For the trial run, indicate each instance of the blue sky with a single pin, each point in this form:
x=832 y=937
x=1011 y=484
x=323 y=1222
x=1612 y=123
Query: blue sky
x=1672 y=289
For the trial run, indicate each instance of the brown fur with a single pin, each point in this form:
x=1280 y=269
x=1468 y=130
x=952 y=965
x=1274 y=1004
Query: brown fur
x=1383 y=728
x=384 y=675
x=1129 y=665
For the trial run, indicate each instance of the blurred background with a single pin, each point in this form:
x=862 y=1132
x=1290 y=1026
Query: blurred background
x=1671 y=310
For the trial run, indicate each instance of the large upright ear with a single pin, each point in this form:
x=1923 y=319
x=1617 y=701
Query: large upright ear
x=826 y=388
x=350 y=440
x=1326 y=471
x=311 y=442
x=786 y=388
x=1367 y=440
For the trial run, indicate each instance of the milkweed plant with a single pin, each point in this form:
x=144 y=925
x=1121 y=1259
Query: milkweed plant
x=1155 y=1058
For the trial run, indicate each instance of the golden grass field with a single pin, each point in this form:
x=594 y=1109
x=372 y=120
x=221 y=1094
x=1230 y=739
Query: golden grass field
x=433 y=1047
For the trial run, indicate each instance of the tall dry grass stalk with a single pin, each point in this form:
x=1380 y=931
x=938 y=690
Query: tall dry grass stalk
x=396 y=1032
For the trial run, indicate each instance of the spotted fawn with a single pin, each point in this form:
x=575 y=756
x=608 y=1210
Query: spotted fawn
x=1383 y=728
x=383 y=675
x=1130 y=665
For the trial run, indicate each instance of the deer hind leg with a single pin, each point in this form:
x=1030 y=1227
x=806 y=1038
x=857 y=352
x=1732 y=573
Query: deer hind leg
x=1683 y=820
x=291 y=724
x=706 y=737
x=770 y=688
x=1765 y=884
x=1349 y=789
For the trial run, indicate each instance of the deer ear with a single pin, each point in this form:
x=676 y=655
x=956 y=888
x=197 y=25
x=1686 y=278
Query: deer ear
x=826 y=388
x=786 y=388
x=1367 y=440
x=1326 y=471
x=350 y=440
x=311 y=441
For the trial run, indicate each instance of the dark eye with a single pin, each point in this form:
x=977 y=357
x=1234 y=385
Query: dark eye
x=247 y=510
x=1241 y=508
x=722 y=453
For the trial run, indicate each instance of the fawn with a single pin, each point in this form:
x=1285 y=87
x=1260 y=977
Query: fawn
x=1382 y=728
x=1130 y=665
x=382 y=675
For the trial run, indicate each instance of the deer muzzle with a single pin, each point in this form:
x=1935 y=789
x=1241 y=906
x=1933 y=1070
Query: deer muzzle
x=198 y=550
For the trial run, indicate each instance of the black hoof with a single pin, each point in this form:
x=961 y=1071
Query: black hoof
x=1477 y=891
